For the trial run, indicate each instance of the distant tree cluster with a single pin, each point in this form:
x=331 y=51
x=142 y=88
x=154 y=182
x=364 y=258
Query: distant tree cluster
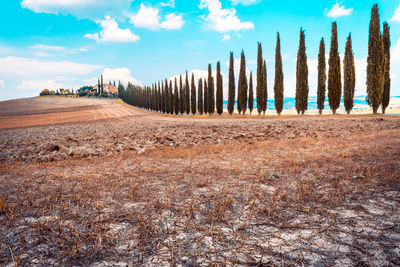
x=58 y=92
x=208 y=96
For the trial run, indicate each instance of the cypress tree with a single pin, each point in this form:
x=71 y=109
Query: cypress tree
x=278 y=85
x=120 y=89
x=386 y=86
x=301 y=76
x=321 y=76
x=376 y=62
x=102 y=86
x=176 y=98
x=200 y=97
x=219 y=97
x=166 y=96
x=265 y=88
x=251 y=98
x=210 y=93
x=187 y=94
x=205 y=104
x=259 y=87
x=242 y=86
x=162 y=97
x=171 y=98
x=165 y=91
x=231 y=92
x=154 y=97
x=349 y=79
x=193 y=96
x=98 y=86
x=159 y=104
x=334 y=74
x=182 y=105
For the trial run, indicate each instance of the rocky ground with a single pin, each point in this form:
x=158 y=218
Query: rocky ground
x=121 y=186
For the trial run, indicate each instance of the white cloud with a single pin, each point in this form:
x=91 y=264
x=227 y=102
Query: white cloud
x=170 y=3
x=172 y=22
x=2 y=83
x=395 y=53
x=146 y=17
x=226 y=37
x=41 y=54
x=149 y=18
x=338 y=11
x=119 y=74
x=112 y=33
x=41 y=50
x=93 y=9
x=47 y=47
x=27 y=67
x=37 y=86
x=222 y=20
x=245 y=2
x=396 y=16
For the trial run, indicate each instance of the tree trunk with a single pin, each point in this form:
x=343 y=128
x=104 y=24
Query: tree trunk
x=320 y=112
x=348 y=112
x=302 y=112
x=383 y=110
x=333 y=111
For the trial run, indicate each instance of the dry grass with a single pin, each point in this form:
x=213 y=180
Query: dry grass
x=329 y=201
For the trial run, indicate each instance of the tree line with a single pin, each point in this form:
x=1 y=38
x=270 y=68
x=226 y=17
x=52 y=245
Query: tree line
x=207 y=97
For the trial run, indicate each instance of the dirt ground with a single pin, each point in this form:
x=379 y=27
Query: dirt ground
x=98 y=183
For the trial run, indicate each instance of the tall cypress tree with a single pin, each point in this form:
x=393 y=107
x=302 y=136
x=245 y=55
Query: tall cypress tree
x=386 y=48
x=102 y=86
x=159 y=97
x=219 y=97
x=171 y=98
x=301 y=76
x=166 y=87
x=251 y=97
x=265 y=88
x=120 y=89
x=231 y=92
x=162 y=97
x=349 y=78
x=176 y=98
x=187 y=94
x=210 y=93
x=376 y=62
x=193 y=96
x=321 y=76
x=334 y=74
x=200 y=97
x=98 y=86
x=242 y=86
x=259 y=87
x=205 y=103
x=278 y=85
x=182 y=107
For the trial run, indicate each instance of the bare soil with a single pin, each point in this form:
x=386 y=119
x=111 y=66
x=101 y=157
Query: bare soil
x=98 y=183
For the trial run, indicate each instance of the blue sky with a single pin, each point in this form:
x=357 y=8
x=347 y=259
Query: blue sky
x=69 y=43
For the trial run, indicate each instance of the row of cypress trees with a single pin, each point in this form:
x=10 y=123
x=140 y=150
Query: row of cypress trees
x=185 y=99
x=165 y=98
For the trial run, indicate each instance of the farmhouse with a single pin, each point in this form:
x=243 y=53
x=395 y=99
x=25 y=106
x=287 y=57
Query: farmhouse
x=110 y=89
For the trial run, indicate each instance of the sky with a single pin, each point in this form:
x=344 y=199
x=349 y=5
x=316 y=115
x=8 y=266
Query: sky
x=70 y=43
